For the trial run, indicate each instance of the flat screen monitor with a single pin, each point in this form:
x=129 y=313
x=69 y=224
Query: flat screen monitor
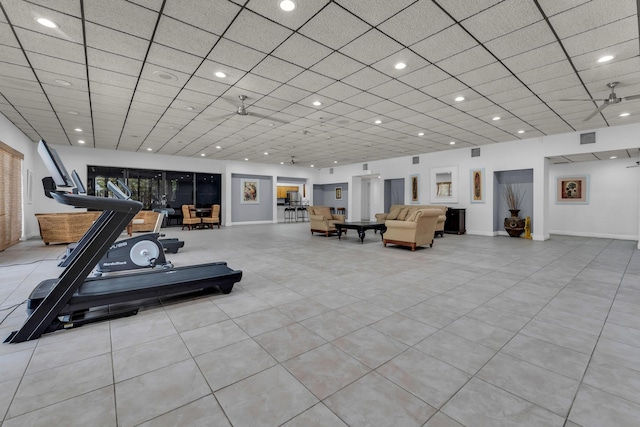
x=54 y=165
x=78 y=182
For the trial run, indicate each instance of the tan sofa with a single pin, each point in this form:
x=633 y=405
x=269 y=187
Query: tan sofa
x=144 y=221
x=65 y=227
x=322 y=220
x=396 y=212
x=417 y=230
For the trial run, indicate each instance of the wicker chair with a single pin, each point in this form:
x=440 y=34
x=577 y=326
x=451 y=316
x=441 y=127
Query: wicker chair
x=214 y=218
x=65 y=227
x=187 y=219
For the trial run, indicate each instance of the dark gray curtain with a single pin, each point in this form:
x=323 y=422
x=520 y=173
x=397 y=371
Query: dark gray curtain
x=393 y=193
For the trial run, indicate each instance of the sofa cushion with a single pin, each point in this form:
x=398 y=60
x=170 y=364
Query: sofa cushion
x=403 y=214
x=394 y=213
x=413 y=214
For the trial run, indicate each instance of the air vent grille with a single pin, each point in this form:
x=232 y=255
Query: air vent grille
x=588 y=138
x=365 y=166
x=416 y=160
x=475 y=152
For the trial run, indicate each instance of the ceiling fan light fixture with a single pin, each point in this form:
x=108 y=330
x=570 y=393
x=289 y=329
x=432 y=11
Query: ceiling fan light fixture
x=605 y=58
x=287 y=5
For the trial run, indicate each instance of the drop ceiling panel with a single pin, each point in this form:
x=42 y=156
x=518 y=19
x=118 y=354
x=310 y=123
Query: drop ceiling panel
x=132 y=19
x=200 y=14
x=250 y=29
x=416 y=22
x=591 y=15
x=444 y=44
x=40 y=43
x=337 y=66
x=334 y=27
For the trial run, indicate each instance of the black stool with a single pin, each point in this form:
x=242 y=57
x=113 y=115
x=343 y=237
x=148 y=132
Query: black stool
x=301 y=214
x=289 y=214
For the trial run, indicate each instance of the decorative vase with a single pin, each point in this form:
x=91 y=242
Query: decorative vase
x=514 y=225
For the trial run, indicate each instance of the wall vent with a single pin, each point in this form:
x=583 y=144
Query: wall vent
x=416 y=160
x=475 y=152
x=330 y=171
x=588 y=138
x=365 y=167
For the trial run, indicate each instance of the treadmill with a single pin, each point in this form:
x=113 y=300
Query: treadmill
x=73 y=300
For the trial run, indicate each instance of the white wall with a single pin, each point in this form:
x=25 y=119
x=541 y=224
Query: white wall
x=612 y=209
x=525 y=154
x=607 y=197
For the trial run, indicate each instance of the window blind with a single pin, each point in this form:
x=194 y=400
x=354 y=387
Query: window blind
x=10 y=196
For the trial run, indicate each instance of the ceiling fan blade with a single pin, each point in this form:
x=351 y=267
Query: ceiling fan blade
x=587 y=99
x=632 y=97
x=262 y=116
x=591 y=116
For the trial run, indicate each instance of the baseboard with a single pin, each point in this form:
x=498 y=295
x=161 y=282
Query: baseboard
x=596 y=235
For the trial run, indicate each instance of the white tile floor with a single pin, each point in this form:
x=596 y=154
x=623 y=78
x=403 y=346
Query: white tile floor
x=476 y=331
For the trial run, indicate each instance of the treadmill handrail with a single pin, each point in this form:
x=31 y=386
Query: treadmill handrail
x=98 y=203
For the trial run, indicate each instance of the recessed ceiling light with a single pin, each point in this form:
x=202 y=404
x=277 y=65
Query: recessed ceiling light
x=220 y=74
x=378 y=122
x=266 y=154
x=459 y=98
x=78 y=130
x=520 y=131
x=218 y=147
x=287 y=5
x=613 y=157
x=311 y=166
x=80 y=141
x=400 y=66
x=188 y=108
x=282 y=163
x=149 y=149
x=63 y=82
x=46 y=23
x=421 y=134
x=605 y=58
x=246 y=160
x=452 y=143
x=624 y=114
x=317 y=103
x=496 y=118
x=335 y=161
x=73 y=113
x=202 y=154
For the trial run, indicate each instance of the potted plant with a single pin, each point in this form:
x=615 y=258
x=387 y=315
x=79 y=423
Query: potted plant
x=514 y=195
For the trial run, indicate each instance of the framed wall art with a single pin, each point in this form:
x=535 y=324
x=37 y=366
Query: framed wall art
x=250 y=189
x=415 y=188
x=338 y=193
x=572 y=189
x=477 y=185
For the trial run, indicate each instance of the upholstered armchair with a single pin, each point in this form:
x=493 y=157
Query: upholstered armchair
x=214 y=218
x=187 y=219
x=322 y=220
x=416 y=230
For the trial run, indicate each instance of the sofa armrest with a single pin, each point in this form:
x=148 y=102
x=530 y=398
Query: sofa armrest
x=337 y=217
x=394 y=223
x=317 y=218
x=381 y=217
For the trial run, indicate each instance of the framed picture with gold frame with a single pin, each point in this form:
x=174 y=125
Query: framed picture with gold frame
x=477 y=186
x=338 y=193
x=415 y=188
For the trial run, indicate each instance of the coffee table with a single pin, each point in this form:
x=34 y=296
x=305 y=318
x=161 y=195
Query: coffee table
x=361 y=227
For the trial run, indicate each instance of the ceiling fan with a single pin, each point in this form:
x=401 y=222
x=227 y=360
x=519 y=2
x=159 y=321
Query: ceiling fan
x=612 y=99
x=242 y=111
x=293 y=160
